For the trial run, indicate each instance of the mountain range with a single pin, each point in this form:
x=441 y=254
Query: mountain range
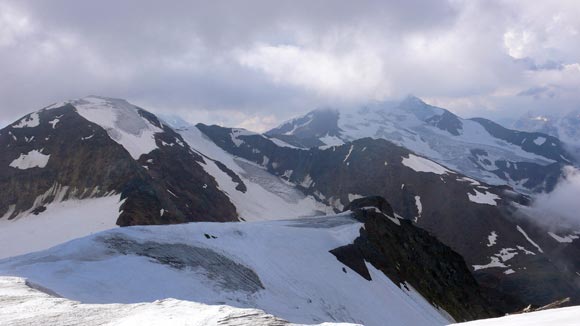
x=324 y=218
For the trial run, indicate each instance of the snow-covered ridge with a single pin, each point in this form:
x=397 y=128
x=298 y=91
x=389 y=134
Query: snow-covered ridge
x=121 y=120
x=24 y=303
x=282 y=267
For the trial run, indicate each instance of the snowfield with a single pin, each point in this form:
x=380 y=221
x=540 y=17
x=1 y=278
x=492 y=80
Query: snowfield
x=267 y=196
x=24 y=304
x=61 y=222
x=122 y=122
x=282 y=267
x=560 y=317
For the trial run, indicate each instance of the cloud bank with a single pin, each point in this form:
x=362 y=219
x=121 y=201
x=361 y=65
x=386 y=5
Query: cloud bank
x=255 y=63
x=560 y=209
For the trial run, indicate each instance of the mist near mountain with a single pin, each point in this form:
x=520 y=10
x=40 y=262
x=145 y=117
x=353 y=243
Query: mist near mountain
x=560 y=208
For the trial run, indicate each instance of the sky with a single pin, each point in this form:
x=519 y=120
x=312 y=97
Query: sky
x=254 y=64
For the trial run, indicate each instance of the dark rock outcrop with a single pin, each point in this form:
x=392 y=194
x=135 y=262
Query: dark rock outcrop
x=410 y=256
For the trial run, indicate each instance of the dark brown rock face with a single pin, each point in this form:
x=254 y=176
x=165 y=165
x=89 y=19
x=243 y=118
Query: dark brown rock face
x=410 y=256
x=167 y=185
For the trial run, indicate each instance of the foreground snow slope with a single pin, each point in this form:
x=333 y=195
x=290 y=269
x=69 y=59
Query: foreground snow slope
x=562 y=317
x=282 y=267
x=61 y=222
x=23 y=304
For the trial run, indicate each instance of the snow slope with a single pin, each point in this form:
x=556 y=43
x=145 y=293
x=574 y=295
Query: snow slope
x=267 y=196
x=61 y=222
x=122 y=122
x=282 y=267
x=561 y=317
x=23 y=304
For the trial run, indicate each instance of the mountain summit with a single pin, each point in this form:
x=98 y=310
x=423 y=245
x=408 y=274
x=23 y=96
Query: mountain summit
x=527 y=161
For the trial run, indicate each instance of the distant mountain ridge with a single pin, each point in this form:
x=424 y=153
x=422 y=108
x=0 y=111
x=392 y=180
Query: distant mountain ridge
x=566 y=127
x=479 y=148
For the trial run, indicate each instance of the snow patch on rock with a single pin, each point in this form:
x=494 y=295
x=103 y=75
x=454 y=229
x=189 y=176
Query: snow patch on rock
x=30 y=121
x=492 y=239
x=540 y=141
x=32 y=159
x=421 y=164
x=485 y=197
x=564 y=239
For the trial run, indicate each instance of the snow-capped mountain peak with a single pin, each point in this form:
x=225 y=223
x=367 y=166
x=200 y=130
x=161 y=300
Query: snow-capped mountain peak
x=478 y=148
x=124 y=122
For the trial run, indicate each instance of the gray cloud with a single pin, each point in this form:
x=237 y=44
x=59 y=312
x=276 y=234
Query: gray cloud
x=255 y=63
x=559 y=209
x=538 y=92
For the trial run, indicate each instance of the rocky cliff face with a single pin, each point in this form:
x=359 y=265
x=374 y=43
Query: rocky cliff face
x=58 y=154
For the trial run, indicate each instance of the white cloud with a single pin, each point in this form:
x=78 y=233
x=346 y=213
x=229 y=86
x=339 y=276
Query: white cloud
x=269 y=59
x=559 y=209
x=356 y=74
x=13 y=25
x=259 y=123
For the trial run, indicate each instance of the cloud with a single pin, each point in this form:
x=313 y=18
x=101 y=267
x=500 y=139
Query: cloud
x=559 y=209
x=537 y=92
x=215 y=59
